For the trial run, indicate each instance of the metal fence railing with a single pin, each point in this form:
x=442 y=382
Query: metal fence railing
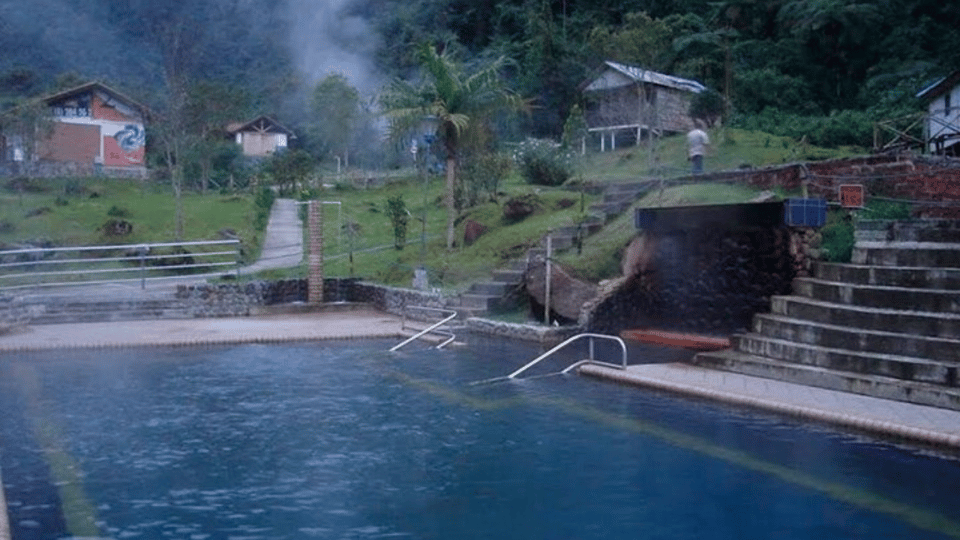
x=48 y=267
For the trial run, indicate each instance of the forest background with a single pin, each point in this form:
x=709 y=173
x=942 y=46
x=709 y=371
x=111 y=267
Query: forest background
x=824 y=69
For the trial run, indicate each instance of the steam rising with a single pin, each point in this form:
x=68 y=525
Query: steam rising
x=327 y=38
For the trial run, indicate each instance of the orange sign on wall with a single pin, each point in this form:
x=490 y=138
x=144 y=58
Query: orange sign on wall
x=851 y=195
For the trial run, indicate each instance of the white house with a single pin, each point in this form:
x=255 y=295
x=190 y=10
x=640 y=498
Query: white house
x=942 y=130
x=261 y=136
x=630 y=101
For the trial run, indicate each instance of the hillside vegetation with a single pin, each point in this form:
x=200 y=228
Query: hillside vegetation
x=359 y=235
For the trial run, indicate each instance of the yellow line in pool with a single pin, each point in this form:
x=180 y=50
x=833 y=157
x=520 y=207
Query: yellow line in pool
x=918 y=517
x=79 y=512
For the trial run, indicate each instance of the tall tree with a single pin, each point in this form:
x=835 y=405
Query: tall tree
x=336 y=109
x=456 y=100
x=209 y=107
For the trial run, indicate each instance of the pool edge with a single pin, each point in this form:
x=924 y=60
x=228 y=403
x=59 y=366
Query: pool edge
x=5 y=516
x=870 y=425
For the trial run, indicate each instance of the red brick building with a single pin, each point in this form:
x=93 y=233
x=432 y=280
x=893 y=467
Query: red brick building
x=95 y=130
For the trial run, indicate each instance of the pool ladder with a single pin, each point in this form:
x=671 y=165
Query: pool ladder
x=575 y=365
x=434 y=329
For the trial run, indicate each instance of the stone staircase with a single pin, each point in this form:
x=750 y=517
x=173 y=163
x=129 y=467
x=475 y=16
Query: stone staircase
x=495 y=295
x=498 y=293
x=63 y=309
x=886 y=325
x=618 y=196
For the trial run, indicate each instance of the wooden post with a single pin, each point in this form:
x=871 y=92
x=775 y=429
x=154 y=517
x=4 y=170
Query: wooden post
x=315 y=270
x=546 y=279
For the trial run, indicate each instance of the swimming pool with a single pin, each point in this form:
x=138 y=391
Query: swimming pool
x=344 y=440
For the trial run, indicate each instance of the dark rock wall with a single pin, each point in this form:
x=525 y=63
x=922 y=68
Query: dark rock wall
x=702 y=280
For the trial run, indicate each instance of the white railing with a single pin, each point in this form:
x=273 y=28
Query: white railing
x=590 y=360
x=432 y=329
x=50 y=267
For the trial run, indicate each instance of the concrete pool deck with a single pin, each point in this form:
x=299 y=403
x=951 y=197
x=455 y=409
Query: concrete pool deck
x=346 y=323
x=908 y=421
x=929 y=425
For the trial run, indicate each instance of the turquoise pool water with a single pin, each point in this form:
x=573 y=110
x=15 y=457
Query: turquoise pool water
x=343 y=440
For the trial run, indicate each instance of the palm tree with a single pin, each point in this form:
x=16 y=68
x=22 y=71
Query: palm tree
x=455 y=100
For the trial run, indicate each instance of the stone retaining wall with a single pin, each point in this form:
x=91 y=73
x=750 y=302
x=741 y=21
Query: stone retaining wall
x=540 y=334
x=392 y=299
x=238 y=299
x=13 y=313
x=701 y=280
x=241 y=299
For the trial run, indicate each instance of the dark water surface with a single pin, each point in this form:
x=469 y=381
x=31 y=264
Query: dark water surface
x=343 y=440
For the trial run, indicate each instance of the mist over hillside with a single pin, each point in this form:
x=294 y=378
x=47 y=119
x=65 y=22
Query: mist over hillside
x=808 y=58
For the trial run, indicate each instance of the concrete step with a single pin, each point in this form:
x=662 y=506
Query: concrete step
x=629 y=187
x=474 y=302
x=56 y=310
x=902 y=298
x=856 y=339
x=890 y=276
x=608 y=209
x=942 y=325
x=906 y=368
x=491 y=288
x=109 y=316
x=871 y=385
x=918 y=230
x=509 y=276
x=558 y=242
x=916 y=254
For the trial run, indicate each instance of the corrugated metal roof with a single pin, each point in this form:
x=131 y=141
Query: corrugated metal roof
x=638 y=74
x=936 y=89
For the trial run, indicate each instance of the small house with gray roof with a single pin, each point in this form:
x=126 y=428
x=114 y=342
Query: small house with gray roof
x=626 y=103
x=260 y=137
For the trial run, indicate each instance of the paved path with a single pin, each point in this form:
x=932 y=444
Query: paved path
x=283 y=239
x=931 y=425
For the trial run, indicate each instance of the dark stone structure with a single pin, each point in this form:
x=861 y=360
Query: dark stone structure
x=711 y=269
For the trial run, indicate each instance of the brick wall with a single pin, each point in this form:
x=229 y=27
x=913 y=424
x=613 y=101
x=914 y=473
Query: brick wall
x=933 y=182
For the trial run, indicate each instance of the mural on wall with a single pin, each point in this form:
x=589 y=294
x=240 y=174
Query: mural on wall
x=125 y=147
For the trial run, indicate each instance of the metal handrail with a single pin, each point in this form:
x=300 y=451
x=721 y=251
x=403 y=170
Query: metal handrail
x=136 y=253
x=432 y=328
x=537 y=360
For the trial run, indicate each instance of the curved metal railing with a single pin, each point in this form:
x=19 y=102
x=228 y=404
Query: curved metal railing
x=575 y=365
x=434 y=328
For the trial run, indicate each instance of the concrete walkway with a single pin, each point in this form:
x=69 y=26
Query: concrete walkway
x=332 y=322
x=930 y=425
x=283 y=239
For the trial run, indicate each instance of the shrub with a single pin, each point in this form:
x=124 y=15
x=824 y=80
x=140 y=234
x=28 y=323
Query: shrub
x=838 y=129
x=481 y=177
x=545 y=163
x=262 y=204
x=396 y=209
x=118 y=212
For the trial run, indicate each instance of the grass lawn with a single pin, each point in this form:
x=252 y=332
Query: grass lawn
x=72 y=213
